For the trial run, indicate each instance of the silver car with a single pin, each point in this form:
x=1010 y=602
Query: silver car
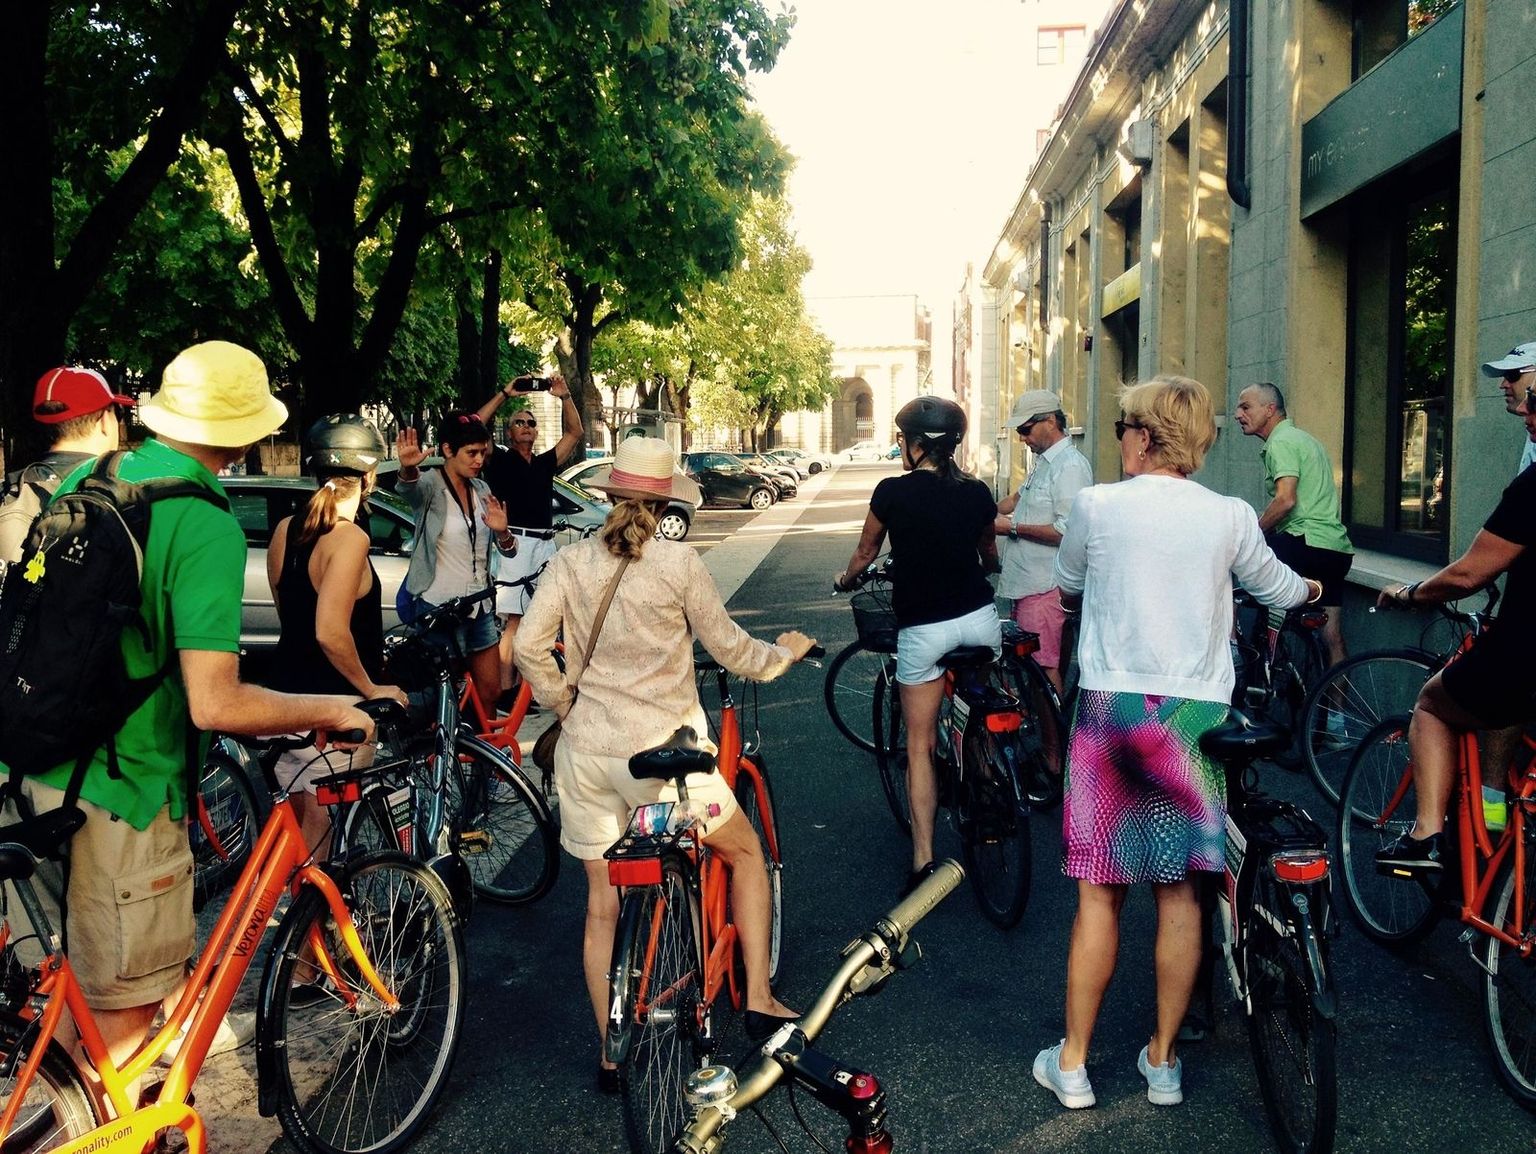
x=259 y=503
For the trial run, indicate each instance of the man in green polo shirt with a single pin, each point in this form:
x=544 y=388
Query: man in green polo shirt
x=128 y=914
x=1301 y=522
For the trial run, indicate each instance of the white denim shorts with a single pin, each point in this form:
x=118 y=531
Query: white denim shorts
x=919 y=647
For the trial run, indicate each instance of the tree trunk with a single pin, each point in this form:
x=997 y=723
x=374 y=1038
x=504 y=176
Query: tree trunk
x=490 y=328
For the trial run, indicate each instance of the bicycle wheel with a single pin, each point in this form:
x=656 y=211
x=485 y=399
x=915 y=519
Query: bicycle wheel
x=1509 y=988
x=1042 y=741
x=224 y=826
x=668 y=1038
x=746 y=797
x=55 y=1106
x=349 y=1075
x=1379 y=805
x=891 y=756
x=849 y=688
x=994 y=826
x=1298 y=666
x=367 y=826
x=507 y=836
x=1293 y=1045
x=1349 y=699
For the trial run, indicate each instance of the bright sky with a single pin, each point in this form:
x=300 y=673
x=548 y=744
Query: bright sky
x=909 y=149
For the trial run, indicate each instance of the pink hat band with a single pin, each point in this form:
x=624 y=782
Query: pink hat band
x=661 y=486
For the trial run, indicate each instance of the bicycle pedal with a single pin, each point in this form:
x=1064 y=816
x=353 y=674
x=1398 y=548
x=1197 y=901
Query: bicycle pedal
x=474 y=841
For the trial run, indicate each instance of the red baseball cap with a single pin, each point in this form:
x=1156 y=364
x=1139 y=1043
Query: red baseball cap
x=80 y=391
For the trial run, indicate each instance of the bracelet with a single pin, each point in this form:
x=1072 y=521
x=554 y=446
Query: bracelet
x=1405 y=594
x=1318 y=596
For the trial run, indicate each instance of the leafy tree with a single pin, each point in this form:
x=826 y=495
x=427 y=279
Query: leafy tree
x=79 y=84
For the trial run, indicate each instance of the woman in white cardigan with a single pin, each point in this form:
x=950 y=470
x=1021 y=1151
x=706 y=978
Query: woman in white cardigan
x=1151 y=559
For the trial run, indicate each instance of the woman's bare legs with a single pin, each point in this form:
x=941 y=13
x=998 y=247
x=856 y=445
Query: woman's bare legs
x=1177 y=955
x=597 y=939
x=1090 y=965
x=920 y=711
x=736 y=843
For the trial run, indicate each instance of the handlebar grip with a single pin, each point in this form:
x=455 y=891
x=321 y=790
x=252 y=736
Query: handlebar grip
x=816 y=652
x=920 y=902
x=346 y=736
x=385 y=709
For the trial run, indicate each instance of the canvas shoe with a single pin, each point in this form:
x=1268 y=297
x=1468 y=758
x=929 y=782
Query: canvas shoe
x=1071 y=1087
x=1165 y=1084
x=234 y=1031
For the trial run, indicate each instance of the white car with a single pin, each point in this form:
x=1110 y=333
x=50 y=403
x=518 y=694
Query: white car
x=808 y=464
x=864 y=451
x=673 y=524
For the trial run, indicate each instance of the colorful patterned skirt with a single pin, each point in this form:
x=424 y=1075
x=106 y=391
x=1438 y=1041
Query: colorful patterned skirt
x=1143 y=804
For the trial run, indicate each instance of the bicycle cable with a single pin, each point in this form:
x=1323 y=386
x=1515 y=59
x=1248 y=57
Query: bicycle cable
x=794 y=1104
x=768 y=1126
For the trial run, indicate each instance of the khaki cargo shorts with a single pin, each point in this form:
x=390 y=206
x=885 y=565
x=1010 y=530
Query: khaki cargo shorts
x=130 y=929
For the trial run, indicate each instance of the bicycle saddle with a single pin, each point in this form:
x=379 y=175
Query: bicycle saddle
x=968 y=657
x=43 y=835
x=678 y=757
x=1240 y=740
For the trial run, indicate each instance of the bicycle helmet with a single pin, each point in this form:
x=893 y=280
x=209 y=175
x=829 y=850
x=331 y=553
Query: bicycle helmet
x=934 y=423
x=344 y=443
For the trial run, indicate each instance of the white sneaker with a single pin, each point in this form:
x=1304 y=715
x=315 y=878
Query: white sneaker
x=234 y=1031
x=1165 y=1084
x=1071 y=1087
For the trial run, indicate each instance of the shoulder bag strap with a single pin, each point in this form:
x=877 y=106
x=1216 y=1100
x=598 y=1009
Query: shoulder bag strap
x=602 y=615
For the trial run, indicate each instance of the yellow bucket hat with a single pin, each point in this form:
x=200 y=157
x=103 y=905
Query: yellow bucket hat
x=215 y=393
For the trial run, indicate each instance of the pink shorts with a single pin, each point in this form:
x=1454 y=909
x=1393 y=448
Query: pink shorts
x=1042 y=613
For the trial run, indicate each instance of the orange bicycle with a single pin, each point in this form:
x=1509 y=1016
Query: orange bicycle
x=501 y=732
x=676 y=949
x=360 y=1011
x=1489 y=882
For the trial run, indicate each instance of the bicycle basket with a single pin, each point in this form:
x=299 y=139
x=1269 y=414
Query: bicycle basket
x=411 y=661
x=875 y=620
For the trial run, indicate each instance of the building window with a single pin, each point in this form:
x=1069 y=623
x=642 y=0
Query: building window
x=1057 y=44
x=1398 y=442
x=1381 y=27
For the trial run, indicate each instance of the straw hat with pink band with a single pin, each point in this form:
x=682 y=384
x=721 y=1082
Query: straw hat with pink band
x=645 y=469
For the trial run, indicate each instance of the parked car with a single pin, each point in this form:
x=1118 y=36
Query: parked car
x=727 y=481
x=864 y=451
x=809 y=463
x=894 y=451
x=773 y=467
x=674 y=523
x=259 y=503
x=784 y=479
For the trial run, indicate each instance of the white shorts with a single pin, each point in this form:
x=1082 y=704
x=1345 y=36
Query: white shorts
x=297 y=769
x=531 y=554
x=919 y=647
x=597 y=794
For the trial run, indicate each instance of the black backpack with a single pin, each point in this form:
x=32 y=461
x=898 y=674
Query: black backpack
x=64 y=686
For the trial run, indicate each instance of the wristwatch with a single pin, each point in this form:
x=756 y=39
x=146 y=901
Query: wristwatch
x=1013 y=533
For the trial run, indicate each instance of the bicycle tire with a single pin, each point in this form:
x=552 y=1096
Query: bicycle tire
x=507 y=835
x=994 y=827
x=891 y=756
x=1349 y=700
x=669 y=1038
x=1042 y=742
x=746 y=797
x=56 y=1107
x=352 y=1077
x=234 y=818
x=366 y=826
x=847 y=690
x=1509 y=990
x=1293 y=1045
x=1393 y=911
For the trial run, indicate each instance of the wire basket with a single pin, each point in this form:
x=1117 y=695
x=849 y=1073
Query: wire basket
x=874 y=618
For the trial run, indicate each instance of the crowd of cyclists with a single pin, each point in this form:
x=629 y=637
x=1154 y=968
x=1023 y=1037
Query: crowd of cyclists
x=1149 y=562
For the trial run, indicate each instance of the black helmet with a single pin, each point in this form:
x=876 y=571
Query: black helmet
x=344 y=443
x=932 y=422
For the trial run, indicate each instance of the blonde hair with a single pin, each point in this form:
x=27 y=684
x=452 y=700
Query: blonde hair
x=631 y=524
x=1178 y=414
x=320 y=513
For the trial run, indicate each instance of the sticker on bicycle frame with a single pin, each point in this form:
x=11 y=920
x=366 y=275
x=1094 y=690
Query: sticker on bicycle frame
x=651 y=819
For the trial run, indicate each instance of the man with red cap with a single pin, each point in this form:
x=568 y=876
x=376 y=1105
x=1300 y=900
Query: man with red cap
x=83 y=411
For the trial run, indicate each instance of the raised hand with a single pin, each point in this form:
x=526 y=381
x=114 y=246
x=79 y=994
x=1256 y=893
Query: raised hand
x=558 y=387
x=408 y=449
x=495 y=515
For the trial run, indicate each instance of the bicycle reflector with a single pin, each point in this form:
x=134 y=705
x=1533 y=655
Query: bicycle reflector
x=1006 y=721
x=338 y=790
x=1299 y=865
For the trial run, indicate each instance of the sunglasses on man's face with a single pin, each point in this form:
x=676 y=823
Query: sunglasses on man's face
x=529 y=423
x=1513 y=375
x=1024 y=429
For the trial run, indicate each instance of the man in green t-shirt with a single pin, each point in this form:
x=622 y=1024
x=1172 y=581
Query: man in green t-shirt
x=127 y=916
x=1301 y=522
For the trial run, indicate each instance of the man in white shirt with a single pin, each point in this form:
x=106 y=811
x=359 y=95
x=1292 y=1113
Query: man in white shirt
x=1033 y=520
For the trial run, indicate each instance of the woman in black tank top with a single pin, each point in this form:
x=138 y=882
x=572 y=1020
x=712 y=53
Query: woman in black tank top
x=327 y=598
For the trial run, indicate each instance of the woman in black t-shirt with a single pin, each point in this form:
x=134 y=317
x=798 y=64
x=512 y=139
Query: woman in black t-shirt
x=1493 y=684
x=331 y=619
x=942 y=545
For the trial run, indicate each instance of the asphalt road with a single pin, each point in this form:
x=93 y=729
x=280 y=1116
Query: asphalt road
x=952 y=1039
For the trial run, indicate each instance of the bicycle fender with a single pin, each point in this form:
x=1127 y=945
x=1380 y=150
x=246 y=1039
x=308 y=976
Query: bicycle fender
x=454 y=874
x=617 y=1037
x=1319 y=980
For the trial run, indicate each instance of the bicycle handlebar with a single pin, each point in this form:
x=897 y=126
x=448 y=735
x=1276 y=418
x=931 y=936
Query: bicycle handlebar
x=878 y=570
x=867 y=962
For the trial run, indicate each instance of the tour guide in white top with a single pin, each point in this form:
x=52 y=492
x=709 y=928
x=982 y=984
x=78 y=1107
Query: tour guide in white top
x=1033 y=520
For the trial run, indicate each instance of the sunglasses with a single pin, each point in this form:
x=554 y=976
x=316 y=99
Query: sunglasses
x=1513 y=375
x=124 y=413
x=530 y=423
x=1023 y=430
x=1530 y=400
x=1122 y=426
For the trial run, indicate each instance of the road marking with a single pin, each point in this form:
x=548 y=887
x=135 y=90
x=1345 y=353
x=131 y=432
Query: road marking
x=733 y=560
